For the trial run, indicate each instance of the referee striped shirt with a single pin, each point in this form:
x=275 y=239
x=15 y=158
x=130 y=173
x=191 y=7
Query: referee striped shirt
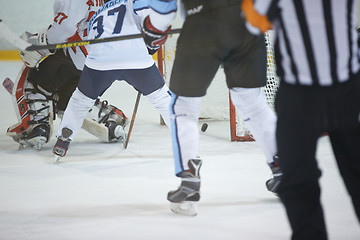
x=316 y=41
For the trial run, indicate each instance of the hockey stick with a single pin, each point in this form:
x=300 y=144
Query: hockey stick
x=126 y=142
x=11 y=37
x=8 y=85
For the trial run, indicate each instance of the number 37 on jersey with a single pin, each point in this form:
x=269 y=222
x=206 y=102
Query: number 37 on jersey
x=112 y=15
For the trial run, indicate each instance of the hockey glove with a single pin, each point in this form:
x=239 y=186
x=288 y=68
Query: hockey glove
x=33 y=58
x=153 y=37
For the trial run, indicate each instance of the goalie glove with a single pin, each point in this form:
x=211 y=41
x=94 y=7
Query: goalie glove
x=152 y=36
x=33 y=58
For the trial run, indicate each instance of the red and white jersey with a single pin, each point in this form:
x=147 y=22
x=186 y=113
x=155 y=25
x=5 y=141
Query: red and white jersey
x=70 y=23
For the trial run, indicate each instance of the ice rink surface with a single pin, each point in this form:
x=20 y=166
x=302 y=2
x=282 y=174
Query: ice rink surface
x=101 y=191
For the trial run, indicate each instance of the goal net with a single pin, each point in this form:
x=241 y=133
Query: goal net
x=216 y=104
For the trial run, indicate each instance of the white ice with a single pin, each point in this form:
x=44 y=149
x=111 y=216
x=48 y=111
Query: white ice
x=101 y=191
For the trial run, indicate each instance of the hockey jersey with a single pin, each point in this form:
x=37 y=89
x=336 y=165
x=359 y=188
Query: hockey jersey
x=117 y=18
x=70 y=24
x=162 y=13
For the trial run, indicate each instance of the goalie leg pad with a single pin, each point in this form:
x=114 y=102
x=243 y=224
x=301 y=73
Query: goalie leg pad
x=33 y=106
x=109 y=132
x=105 y=122
x=107 y=112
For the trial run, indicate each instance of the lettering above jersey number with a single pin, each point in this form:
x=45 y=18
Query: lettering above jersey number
x=98 y=23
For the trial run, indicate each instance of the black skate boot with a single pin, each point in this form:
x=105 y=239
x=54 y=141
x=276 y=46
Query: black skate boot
x=62 y=144
x=273 y=183
x=116 y=131
x=38 y=136
x=183 y=200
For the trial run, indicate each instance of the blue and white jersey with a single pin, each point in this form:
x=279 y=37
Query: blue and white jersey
x=118 y=18
x=162 y=13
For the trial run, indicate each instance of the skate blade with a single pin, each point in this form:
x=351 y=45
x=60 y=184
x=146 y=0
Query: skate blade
x=22 y=146
x=36 y=143
x=57 y=159
x=124 y=140
x=185 y=208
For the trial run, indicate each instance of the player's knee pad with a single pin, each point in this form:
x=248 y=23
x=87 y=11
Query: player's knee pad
x=105 y=121
x=34 y=111
x=161 y=99
x=185 y=106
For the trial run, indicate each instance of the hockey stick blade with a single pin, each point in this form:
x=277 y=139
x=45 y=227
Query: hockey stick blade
x=88 y=42
x=12 y=38
x=8 y=85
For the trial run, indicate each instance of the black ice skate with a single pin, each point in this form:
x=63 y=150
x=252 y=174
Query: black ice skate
x=62 y=144
x=116 y=131
x=273 y=183
x=183 y=200
x=38 y=136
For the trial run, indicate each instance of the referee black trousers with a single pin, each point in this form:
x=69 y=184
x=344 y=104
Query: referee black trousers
x=304 y=114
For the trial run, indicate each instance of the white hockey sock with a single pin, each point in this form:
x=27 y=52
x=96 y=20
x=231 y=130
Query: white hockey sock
x=75 y=112
x=184 y=130
x=161 y=100
x=251 y=105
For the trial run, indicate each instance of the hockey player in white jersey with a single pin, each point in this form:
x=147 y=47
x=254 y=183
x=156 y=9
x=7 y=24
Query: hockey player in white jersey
x=213 y=33
x=46 y=82
x=127 y=60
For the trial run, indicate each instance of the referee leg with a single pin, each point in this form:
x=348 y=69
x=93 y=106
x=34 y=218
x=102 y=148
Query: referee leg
x=346 y=147
x=297 y=134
